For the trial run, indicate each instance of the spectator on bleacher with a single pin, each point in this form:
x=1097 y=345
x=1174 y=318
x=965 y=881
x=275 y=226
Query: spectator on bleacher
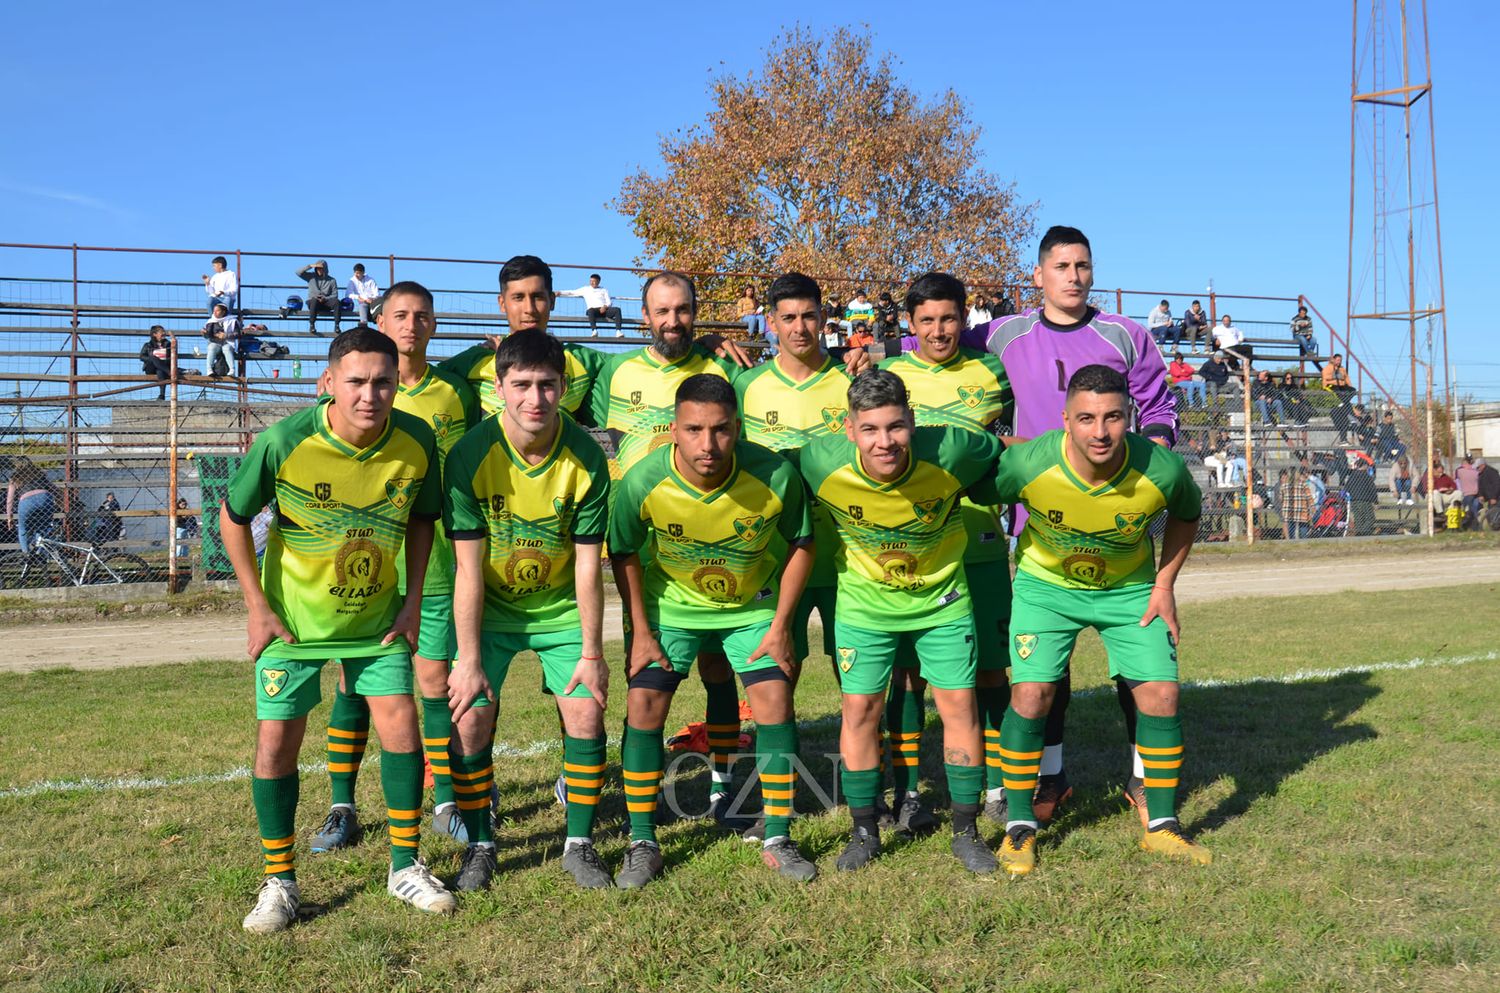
x=1226 y=461
x=1360 y=485
x=1302 y=334
x=1159 y=322
x=832 y=337
x=362 y=292
x=1194 y=326
x=1297 y=410
x=1388 y=444
x=30 y=502
x=1489 y=482
x=322 y=294
x=1297 y=502
x=1215 y=375
x=1467 y=477
x=223 y=286
x=887 y=318
x=107 y=526
x=1001 y=305
x=1231 y=340
x=1267 y=398
x=1401 y=480
x=749 y=310
x=859 y=314
x=599 y=307
x=1184 y=377
x=222 y=331
x=1444 y=487
x=1336 y=377
x=833 y=310
x=156 y=358
x=187 y=528
x=979 y=311
x=1364 y=430
x=860 y=337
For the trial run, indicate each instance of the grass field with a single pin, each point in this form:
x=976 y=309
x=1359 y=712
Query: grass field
x=1352 y=816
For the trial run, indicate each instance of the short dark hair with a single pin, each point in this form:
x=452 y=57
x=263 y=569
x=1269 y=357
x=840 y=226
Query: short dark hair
x=935 y=286
x=362 y=338
x=524 y=267
x=1198 y=302
x=409 y=287
x=595 y=275
x=671 y=276
x=359 y=267
x=1060 y=234
x=792 y=286
x=876 y=388
x=704 y=388
x=1164 y=303
x=219 y=259
x=1098 y=379
x=529 y=349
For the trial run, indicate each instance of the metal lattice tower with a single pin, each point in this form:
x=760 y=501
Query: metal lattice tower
x=1395 y=239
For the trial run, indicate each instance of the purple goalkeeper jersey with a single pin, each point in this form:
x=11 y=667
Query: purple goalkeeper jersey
x=1040 y=356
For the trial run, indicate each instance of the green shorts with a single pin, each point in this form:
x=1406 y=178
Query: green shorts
x=824 y=599
x=946 y=654
x=682 y=646
x=989 y=592
x=438 y=639
x=558 y=650
x=286 y=689
x=1045 y=621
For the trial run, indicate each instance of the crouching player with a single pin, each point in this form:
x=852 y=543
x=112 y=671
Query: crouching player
x=893 y=491
x=711 y=544
x=527 y=508
x=1090 y=491
x=352 y=479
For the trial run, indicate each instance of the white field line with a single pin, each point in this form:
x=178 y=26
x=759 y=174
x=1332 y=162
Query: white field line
x=537 y=748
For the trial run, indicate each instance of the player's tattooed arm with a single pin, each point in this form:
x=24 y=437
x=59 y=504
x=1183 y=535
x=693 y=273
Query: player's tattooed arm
x=644 y=648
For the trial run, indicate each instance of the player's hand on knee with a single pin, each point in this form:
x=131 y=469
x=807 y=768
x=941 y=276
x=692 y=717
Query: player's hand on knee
x=593 y=675
x=264 y=628
x=408 y=624
x=466 y=683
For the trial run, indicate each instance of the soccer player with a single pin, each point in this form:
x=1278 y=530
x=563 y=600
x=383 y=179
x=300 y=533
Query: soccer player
x=1091 y=489
x=711 y=546
x=950 y=385
x=443 y=401
x=354 y=480
x=527 y=502
x=892 y=490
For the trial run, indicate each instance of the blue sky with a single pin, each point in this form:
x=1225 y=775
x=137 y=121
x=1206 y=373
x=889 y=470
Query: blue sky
x=1190 y=140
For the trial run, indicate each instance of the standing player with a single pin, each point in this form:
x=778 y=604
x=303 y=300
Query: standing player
x=1086 y=561
x=950 y=385
x=353 y=480
x=710 y=545
x=528 y=497
x=445 y=403
x=893 y=489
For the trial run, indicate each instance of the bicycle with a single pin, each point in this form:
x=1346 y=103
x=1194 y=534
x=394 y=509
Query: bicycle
x=58 y=563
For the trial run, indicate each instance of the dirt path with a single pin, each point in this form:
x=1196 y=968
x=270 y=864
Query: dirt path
x=116 y=644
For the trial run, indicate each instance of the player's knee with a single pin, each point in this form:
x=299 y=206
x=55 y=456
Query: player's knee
x=1032 y=700
x=646 y=708
x=276 y=747
x=1156 y=699
x=770 y=694
x=432 y=676
x=862 y=710
x=582 y=717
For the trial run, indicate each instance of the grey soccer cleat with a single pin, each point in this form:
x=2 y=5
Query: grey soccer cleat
x=340 y=829
x=447 y=820
x=913 y=818
x=587 y=869
x=784 y=857
x=972 y=853
x=862 y=848
x=642 y=864
x=476 y=869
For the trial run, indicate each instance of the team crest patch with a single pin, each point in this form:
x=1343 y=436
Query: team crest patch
x=749 y=528
x=561 y=505
x=856 y=512
x=1055 y=516
x=675 y=530
x=497 y=504
x=1129 y=525
x=1084 y=569
x=971 y=395
x=273 y=681
x=846 y=658
x=323 y=491
x=1025 y=645
x=927 y=510
x=773 y=416
x=834 y=417
x=398 y=491
x=441 y=423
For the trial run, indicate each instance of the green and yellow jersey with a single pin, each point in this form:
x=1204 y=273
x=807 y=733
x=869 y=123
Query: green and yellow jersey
x=477 y=366
x=970 y=390
x=1094 y=537
x=444 y=402
x=531 y=517
x=712 y=560
x=330 y=563
x=900 y=558
x=783 y=415
x=635 y=396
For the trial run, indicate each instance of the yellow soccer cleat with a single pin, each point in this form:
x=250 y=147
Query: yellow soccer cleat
x=1169 y=840
x=1018 y=850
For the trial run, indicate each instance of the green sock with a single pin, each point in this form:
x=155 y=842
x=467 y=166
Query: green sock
x=964 y=783
x=401 y=781
x=472 y=776
x=992 y=703
x=1021 y=760
x=437 y=728
x=721 y=717
x=583 y=765
x=1159 y=740
x=860 y=787
x=775 y=746
x=348 y=730
x=276 y=814
x=905 y=716
x=642 y=758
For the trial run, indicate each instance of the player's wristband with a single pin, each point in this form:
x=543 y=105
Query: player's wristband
x=591 y=658
x=1168 y=589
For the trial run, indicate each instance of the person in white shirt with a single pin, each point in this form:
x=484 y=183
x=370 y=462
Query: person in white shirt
x=979 y=312
x=597 y=305
x=362 y=292
x=223 y=286
x=1231 y=340
x=1159 y=322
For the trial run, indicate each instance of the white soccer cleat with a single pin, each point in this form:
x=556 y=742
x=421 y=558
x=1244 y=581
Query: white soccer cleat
x=275 y=908
x=417 y=886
